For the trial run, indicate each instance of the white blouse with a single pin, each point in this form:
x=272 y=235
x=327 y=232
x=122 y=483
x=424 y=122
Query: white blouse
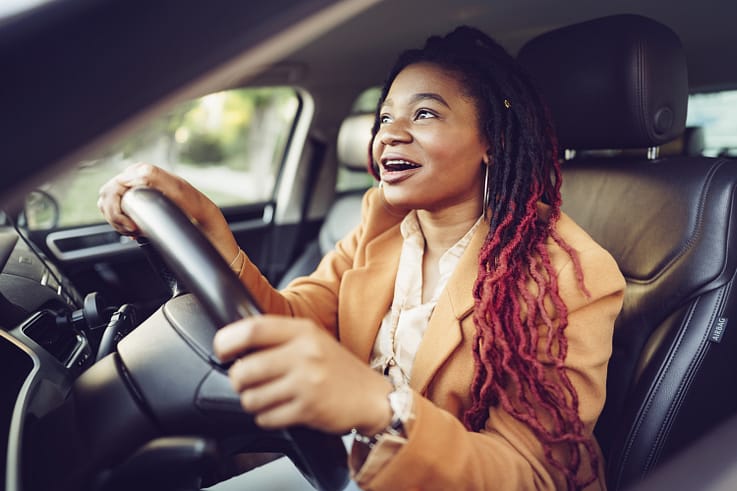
x=404 y=325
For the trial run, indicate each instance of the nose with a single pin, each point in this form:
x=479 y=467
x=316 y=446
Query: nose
x=394 y=132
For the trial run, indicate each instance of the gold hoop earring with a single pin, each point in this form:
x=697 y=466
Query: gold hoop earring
x=487 y=194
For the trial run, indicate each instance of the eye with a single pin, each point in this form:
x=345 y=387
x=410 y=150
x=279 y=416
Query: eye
x=385 y=118
x=425 y=114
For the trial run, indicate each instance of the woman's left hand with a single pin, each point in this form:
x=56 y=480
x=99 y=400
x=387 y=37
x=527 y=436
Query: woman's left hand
x=288 y=371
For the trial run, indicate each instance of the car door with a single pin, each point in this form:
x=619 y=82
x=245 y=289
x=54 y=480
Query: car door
x=232 y=145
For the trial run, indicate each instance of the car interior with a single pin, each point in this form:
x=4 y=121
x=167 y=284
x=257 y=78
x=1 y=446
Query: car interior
x=667 y=222
x=91 y=321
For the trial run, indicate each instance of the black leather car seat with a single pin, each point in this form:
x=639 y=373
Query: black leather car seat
x=616 y=83
x=345 y=212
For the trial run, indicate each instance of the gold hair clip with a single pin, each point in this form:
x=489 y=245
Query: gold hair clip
x=507 y=104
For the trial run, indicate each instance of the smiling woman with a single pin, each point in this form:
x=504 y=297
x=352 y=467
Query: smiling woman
x=485 y=340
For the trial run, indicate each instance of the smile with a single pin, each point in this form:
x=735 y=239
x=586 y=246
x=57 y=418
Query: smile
x=395 y=171
x=397 y=165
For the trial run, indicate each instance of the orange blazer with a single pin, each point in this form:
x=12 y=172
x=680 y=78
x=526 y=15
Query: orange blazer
x=351 y=291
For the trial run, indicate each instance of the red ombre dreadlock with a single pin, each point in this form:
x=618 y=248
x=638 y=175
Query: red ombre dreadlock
x=516 y=329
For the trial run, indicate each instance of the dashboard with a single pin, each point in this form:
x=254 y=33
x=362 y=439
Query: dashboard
x=28 y=282
x=15 y=380
x=72 y=417
x=42 y=343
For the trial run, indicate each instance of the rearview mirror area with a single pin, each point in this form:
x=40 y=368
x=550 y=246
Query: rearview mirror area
x=40 y=211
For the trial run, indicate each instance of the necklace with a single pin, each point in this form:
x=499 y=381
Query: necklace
x=394 y=323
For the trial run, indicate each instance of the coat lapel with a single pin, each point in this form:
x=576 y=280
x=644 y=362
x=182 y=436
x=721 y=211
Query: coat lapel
x=444 y=331
x=366 y=293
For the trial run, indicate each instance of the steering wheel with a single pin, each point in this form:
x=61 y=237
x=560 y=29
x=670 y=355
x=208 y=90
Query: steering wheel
x=168 y=366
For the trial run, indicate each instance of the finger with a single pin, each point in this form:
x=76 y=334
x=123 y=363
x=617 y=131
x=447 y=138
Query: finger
x=171 y=185
x=268 y=396
x=177 y=189
x=141 y=174
x=253 y=333
x=109 y=201
x=151 y=176
x=259 y=367
x=288 y=413
x=115 y=215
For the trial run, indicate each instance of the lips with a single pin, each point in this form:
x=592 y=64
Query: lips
x=395 y=170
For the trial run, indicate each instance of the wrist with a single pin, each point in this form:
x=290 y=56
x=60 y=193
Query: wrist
x=382 y=414
x=399 y=401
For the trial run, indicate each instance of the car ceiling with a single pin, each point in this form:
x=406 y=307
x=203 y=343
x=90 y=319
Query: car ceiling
x=77 y=73
x=360 y=50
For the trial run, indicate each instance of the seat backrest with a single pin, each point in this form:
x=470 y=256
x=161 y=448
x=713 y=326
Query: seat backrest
x=691 y=143
x=616 y=83
x=344 y=213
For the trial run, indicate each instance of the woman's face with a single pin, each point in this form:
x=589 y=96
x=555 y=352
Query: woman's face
x=428 y=146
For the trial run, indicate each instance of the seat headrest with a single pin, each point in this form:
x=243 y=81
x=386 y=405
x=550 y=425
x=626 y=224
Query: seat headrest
x=613 y=82
x=690 y=144
x=354 y=139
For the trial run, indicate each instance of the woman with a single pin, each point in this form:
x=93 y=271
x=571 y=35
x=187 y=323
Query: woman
x=463 y=330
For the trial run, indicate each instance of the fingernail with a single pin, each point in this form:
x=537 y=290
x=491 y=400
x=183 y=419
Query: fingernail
x=220 y=340
x=227 y=336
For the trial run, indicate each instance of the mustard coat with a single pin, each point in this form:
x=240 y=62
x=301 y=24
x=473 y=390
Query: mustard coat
x=351 y=291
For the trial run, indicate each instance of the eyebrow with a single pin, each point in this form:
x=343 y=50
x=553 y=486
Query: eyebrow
x=421 y=96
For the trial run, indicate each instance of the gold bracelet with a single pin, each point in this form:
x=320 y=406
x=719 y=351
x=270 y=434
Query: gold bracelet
x=236 y=265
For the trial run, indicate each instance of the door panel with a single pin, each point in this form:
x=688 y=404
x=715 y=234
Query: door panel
x=96 y=258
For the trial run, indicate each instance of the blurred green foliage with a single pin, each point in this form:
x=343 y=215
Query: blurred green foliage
x=229 y=144
x=202 y=148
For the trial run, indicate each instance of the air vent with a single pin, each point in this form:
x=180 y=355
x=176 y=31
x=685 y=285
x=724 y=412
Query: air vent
x=59 y=340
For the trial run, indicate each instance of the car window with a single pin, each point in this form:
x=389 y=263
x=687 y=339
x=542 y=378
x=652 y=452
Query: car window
x=9 y=8
x=351 y=180
x=229 y=144
x=716 y=113
x=367 y=101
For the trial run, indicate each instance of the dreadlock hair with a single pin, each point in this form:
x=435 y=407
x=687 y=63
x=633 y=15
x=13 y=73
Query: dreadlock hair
x=516 y=283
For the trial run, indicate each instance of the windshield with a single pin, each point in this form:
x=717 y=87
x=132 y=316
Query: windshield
x=12 y=7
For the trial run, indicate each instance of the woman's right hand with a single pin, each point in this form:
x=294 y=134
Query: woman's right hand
x=191 y=201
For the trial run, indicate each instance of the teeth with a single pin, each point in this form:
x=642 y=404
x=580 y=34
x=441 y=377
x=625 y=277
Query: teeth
x=402 y=164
